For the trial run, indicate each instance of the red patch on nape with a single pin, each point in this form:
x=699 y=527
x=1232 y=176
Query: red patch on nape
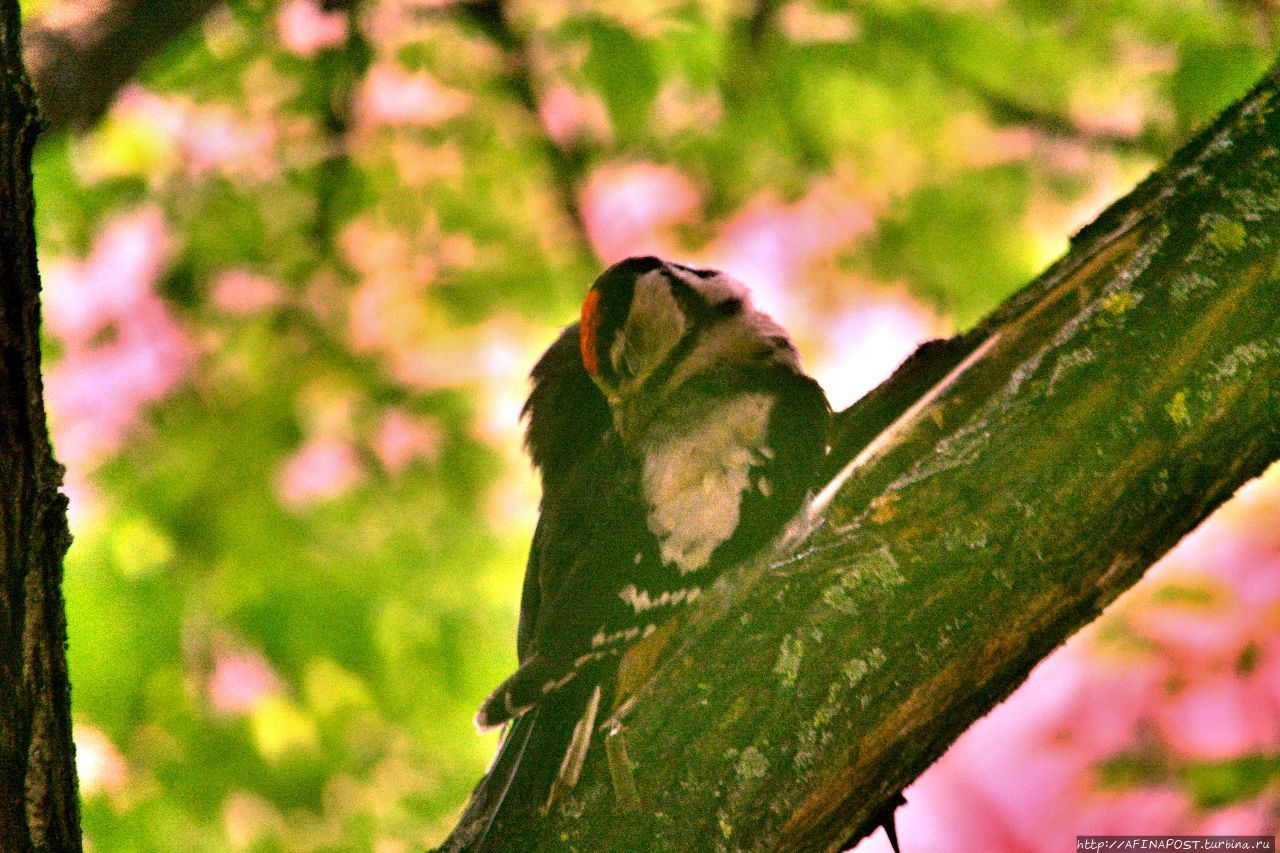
x=588 y=330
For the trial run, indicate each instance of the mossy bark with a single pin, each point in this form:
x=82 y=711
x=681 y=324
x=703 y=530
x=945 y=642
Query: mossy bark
x=999 y=491
x=39 y=809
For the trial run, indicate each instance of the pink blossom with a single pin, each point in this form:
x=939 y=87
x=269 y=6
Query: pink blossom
x=570 y=115
x=391 y=95
x=1218 y=718
x=99 y=765
x=1028 y=764
x=1194 y=631
x=1163 y=810
x=306 y=29
x=206 y=138
x=242 y=292
x=944 y=813
x=370 y=248
x=81 y=298
x=122 y=348
x=380 y=252
x=483 y=354
x=806 y=24
x=1256 y=818
x=679 y=108
x=402 y=438
x=630 y=209
x=95 y=394
x=1268 y=667
x=772 y=244
x=386 y=313
x=320 y=470
x=240 y=680
x=217 y=141
x=980 y=144
x=1217 y=593
x=418 y=164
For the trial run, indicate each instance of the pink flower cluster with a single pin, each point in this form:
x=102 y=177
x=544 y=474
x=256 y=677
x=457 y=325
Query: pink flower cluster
x=121 y=347
x=570 y=115
x=205 y=138
x=240 y=680
x=239 y=291
x=320 y=470
x=774 y=244
x=306 y=29
x=328 y=466
x=630 y=209
x=393 y=96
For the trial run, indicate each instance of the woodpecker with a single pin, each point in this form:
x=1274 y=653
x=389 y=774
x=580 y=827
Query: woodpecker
x=676 y=435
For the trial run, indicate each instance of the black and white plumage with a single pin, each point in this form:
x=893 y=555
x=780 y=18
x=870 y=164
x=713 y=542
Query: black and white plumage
x=676 y=435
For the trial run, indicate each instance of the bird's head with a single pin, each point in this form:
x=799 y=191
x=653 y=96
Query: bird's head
x=648 y=325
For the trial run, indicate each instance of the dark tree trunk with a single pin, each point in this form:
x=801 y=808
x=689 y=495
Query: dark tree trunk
x=997 y=493
x=39 y=809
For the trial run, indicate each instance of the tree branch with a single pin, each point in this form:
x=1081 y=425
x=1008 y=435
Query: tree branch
x=78 y=66
x=1016 y=480
x=39 y=809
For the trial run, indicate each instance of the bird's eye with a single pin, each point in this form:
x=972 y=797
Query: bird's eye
x=629 y=364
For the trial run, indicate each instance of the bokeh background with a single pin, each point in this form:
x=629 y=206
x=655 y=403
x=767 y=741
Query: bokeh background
x=294 y=280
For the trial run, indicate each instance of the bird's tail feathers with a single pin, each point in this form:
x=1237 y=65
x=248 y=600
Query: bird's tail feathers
x=539 y=760
x=575 y=754
x=527 y=686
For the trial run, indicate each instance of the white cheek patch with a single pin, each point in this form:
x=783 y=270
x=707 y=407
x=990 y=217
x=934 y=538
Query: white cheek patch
x=619 y=356
x=654 y=325
x=694 y=483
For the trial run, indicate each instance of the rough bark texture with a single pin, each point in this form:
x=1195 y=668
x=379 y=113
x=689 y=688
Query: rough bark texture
x=80 y=59
x=1007 y=485
x=39 y=809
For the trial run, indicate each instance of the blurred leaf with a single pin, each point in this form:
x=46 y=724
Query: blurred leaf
x=1210 y=76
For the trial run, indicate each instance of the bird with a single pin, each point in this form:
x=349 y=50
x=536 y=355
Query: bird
x=676 y=435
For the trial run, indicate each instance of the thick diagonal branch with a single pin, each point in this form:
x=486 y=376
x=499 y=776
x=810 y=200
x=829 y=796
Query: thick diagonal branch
x=1004 y=487
x=80 y=54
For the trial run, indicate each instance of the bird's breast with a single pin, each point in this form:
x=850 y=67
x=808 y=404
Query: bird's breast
x=694 y=480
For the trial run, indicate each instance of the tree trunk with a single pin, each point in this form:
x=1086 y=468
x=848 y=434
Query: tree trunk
x=39 y=809
x=1000 y=490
